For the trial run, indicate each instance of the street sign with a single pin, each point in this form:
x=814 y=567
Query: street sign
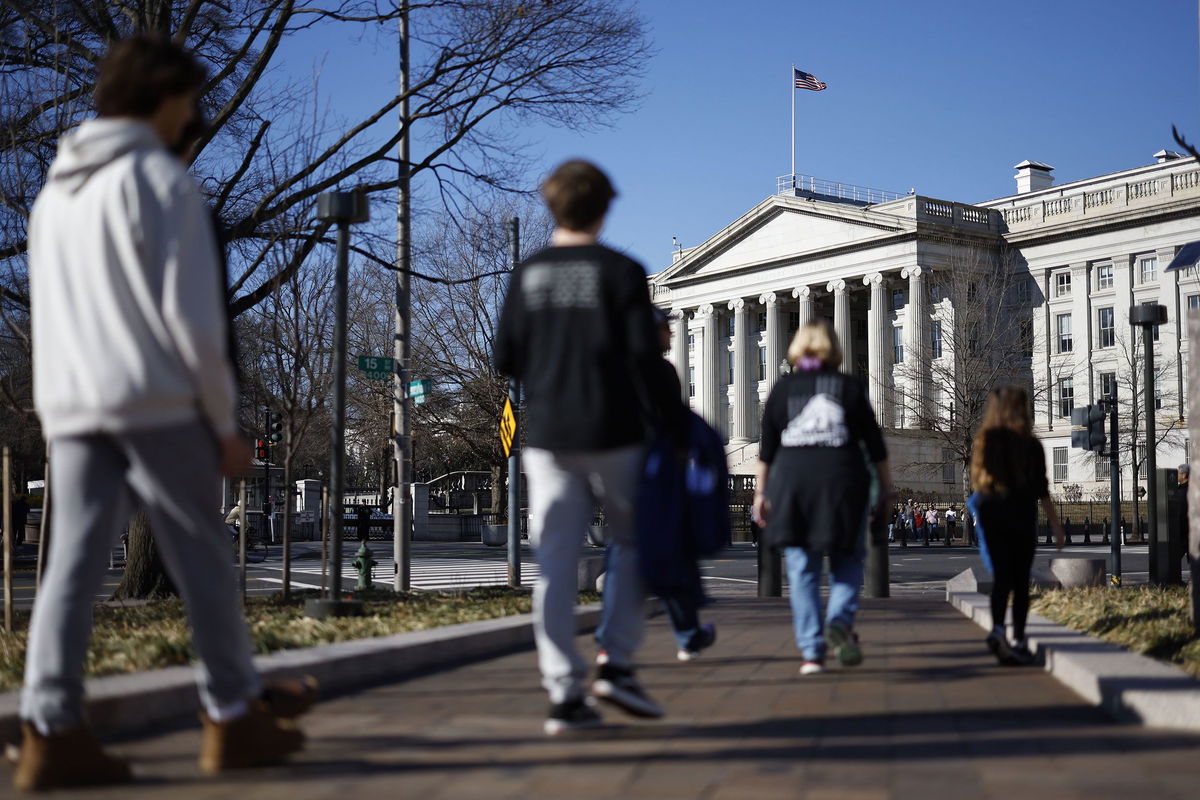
x=419 y=390
x=377 y=368
x=508 y=427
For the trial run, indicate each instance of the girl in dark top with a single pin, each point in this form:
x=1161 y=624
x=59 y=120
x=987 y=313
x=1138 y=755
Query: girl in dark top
x=1008 y=474
x=813 y=488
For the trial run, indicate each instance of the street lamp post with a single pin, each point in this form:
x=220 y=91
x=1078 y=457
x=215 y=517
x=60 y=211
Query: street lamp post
x=1148 y=316
x=343 y=209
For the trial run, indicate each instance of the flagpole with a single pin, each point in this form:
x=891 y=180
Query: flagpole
x=792 y=83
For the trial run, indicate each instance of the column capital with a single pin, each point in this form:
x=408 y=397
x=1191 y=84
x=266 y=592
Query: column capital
x=679 y=313
x=874 y=279
x=912 y=272
x=768 y=298
x=802 y=293
x=737 y=305
x=837 y=285
x=703 y=311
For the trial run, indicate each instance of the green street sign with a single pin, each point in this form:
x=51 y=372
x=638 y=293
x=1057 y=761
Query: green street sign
x=377 y=368
x=419 y=390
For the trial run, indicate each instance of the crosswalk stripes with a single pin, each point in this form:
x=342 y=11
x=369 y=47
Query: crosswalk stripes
x=439 y=573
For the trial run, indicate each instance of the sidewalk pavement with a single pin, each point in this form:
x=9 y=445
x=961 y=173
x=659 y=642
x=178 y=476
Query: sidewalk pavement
x=928 y=715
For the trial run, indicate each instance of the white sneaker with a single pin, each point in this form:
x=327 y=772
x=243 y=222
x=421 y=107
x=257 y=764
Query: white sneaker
x=812 y=668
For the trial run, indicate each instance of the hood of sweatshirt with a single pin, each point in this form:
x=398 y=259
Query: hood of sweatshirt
x=94 y=145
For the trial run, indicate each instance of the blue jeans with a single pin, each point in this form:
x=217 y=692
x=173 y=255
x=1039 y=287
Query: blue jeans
x=804 y=581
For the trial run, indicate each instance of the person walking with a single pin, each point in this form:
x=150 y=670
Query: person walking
x=137 y=400
x=577 y=329
x=931 y=523
x=1008 y=476
x=813 y=489
x=951 y=523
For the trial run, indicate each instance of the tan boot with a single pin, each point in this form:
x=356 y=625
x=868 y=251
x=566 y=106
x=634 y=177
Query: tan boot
x=68 y=758
x=256 y=739
x=290 y=699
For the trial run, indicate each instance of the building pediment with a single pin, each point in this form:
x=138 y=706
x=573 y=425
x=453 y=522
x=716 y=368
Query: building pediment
x=784 y=228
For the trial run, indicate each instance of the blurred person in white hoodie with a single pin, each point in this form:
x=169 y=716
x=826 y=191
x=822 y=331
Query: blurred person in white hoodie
x=136 y=395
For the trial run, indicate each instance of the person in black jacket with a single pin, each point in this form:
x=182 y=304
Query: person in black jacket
x=577 y=329
x=813 y=488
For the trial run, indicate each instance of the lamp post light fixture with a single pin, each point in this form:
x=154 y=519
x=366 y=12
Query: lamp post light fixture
x=785 y=367
x=1147 y=316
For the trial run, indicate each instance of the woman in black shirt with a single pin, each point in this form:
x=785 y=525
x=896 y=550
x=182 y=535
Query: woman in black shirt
x=1008 y=474
x=813 y=489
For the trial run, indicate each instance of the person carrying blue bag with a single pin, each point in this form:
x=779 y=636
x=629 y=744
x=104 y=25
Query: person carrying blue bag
x=1008 y=474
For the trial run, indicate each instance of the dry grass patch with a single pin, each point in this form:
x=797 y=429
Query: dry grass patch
x=1143 y=619
x=152 y=636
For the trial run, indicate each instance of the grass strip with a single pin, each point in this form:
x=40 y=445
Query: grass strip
x=156 y=635
x=1143 y=619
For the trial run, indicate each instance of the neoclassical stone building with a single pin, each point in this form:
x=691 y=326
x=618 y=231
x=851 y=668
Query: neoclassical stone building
x=1073 y=258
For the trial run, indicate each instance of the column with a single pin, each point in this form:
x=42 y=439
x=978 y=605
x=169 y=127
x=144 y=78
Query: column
x=770 y=301
x=679 y=347
x=804 y=295
x=709 y=358
x=741 y=375
x=879 y=357
x=841 y=322
x=916 y=348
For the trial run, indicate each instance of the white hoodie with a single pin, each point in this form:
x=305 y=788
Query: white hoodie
x=129 y=329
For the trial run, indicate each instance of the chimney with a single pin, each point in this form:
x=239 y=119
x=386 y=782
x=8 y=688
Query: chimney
x=1163 y=156
x=1033 y=176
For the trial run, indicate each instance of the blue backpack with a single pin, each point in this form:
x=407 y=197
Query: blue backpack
x=682 y=509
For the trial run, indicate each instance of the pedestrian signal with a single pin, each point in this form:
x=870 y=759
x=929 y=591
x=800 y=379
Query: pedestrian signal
x=275 y=428
x=260 y=449
x=1087 y=432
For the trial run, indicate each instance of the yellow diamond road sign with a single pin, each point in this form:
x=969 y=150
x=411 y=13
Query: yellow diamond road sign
x=508 y=427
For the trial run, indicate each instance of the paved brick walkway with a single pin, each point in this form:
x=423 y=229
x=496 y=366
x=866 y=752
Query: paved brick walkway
x=927 y=716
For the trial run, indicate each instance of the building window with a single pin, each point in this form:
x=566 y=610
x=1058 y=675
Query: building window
x=972 y=291
x=729 y=421
x=1025 y=337
x=1104 y=276
x=1106 y=325
x=691 y=341
x=755 y=418
x=973 y=339
x=691 y=381
x=935 y=331
x=1147 y=269
x=1065 y=342
x=1060 y=464
x=1141 y=460
x=898 y=344
x=1103 y=468
x=899 y=299
x=948 y=465
x=1153 y=330
x=1024 y=295
x=1108 y=384
x=1158 y=397
x=730 y=323
x=793 y=323
x=1193 y=302
x=729 y=363
x=1062 y=284
x=762 y=321
x=1066 y=396
x=762 y=363
x=936 y=293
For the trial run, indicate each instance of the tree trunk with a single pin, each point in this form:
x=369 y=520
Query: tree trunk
x=144 y=578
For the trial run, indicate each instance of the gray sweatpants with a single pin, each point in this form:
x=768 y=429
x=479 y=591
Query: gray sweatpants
x=563 y=486
x=173 y=472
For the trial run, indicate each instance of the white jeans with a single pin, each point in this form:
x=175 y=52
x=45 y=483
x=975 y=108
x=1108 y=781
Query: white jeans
x=563 y=487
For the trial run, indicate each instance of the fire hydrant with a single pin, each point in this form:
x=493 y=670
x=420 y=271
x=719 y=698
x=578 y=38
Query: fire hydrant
x=364 y=564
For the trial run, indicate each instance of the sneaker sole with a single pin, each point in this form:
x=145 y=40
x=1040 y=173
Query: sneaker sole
x=558 y=727
x=687 y=655
x=845 y=648
x=808 y=669
x=628 y=702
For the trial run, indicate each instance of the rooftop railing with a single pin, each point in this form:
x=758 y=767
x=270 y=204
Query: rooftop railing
x=844 y=192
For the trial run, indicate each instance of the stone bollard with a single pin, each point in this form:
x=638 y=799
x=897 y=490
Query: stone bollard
x=1078 y=572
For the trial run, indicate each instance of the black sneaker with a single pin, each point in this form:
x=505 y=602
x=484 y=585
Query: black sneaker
x=619 y=687
x=1001 y=649
x=1022 y=656
x=702 y=639
x=844 y=642
x=571 y=715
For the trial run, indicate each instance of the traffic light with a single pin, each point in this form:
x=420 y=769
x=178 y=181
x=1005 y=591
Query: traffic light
x=275 y=427
x=1088 y=428
x=260 y=449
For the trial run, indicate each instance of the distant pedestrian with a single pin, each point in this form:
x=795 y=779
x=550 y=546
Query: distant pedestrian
x=951 y=523
x=918 y=521
x=577 y=328
x=362 y=522
x=1008 y=474
x=813 y=490
x=125 y=292
x=931 y=522
x=19 y=514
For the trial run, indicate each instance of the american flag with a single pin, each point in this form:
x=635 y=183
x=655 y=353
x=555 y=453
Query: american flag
x=806 y=81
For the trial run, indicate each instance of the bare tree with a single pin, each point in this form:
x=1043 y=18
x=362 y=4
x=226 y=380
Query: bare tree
x=981 y=338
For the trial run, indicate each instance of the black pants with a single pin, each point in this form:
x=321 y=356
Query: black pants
x=1012 y=559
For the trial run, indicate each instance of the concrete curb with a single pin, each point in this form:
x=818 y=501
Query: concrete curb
x=126 y=703
x=1128 y=686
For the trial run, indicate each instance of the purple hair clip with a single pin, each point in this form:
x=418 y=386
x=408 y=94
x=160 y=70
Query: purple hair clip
x=809 y=364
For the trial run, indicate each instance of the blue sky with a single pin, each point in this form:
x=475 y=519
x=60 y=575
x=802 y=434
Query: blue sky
x=942 y=96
